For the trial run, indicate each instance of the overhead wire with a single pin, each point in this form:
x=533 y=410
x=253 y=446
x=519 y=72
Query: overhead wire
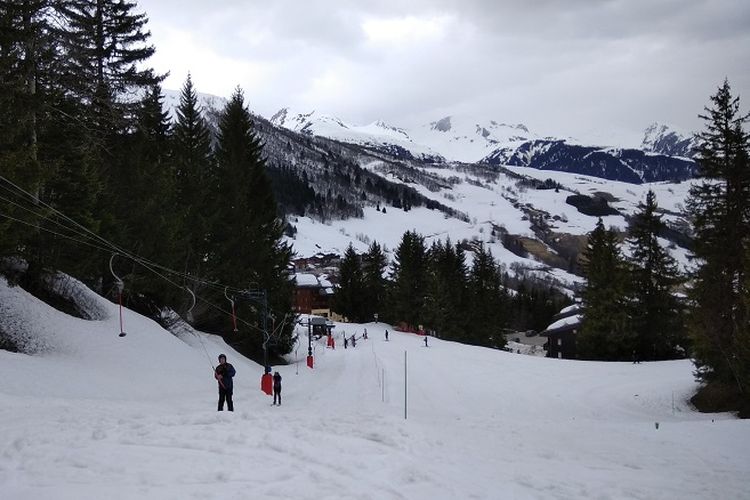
x=108 y=246
x=91 y=235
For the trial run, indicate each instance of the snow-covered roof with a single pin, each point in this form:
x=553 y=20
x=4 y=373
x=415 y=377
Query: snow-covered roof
x=324 y=282
x=570 y=308
x=306 y=279
x=570 y=320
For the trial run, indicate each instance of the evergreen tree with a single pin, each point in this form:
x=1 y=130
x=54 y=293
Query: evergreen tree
x=484 y=322
x=446 y=300
x=720 y=207
x=40 y=141
x=350 y=298
x=144 y=205
x=604 y=334
x=408 y=274
x=23 y=26
x=105 y=44
x=245 y=236
x=654 y=310
x=374 y=265
x=104 y=48
x=193 y=177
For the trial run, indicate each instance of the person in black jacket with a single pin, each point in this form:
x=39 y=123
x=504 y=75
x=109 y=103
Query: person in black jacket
x=223 y=374
x=276 y=387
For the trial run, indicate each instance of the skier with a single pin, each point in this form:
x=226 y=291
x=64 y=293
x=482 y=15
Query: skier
x=386 y=335
x=276 y=387
x=354 y=341
x=425 y=341
x=223 y=374
x=346 y=342
x=364 y=335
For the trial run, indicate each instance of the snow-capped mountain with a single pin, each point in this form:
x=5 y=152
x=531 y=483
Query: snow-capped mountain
x=450 y=138
x=667 y=140
x=627 y=165
x=378 y=135
x=207 y=102
x=466 y=140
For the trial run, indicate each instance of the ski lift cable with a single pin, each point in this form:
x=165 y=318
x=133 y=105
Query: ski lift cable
x=30 y=224
x=109 y=246
x=113 y=247
x=106 y=249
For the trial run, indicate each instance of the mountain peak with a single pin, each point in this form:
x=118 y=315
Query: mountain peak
x=442 y=125
x=279 y=118
x=665 y=139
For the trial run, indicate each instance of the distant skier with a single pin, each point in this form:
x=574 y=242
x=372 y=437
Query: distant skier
x=425 y=341
x=354 y=341
x=276 y=387
x=223 y=374
x=364 y=335
x=346 y=342
x=386 y=335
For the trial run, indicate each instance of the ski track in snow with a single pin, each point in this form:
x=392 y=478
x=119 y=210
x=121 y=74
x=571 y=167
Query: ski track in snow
x=96 y=416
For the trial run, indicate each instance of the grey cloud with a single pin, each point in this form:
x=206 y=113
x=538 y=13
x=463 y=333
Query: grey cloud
x=563 y=67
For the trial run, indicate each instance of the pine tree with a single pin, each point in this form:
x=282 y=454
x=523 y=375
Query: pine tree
x=22 y=35
x=245 y=247
x=654 y=310
x=374 y=265
x=446 y=300
x=193 y=178
x=350 y=298
x=605 y=333
x=102 y=53
x=105 y=44
x=408 y=274
x=484 y=322
x=145 y=208
x=720 y=207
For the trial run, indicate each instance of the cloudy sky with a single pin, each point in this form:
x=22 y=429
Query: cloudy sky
x=598 y=70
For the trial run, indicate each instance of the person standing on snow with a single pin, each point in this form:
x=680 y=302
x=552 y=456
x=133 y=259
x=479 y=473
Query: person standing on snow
x=223 y=374
x=386 y=335
x=277 y=387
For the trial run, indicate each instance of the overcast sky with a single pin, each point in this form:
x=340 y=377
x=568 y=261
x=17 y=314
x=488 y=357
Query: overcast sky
x=591 y=69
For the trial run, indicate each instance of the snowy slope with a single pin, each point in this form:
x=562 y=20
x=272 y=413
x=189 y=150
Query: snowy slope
x=499 y=202
x=95 y=416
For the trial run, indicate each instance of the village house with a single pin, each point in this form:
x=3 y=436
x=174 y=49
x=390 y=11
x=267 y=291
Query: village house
x=561 y=333
x=312 y=294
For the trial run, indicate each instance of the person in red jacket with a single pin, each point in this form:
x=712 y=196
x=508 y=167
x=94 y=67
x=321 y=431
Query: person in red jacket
x=223 y=374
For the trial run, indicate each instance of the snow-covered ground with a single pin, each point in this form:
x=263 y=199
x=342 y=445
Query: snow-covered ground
x=92 y=416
